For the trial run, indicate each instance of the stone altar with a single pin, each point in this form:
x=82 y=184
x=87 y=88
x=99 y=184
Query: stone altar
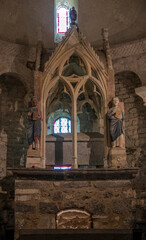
x=106 y=194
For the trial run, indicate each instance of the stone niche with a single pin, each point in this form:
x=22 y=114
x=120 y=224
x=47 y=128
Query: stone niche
x=90 y=149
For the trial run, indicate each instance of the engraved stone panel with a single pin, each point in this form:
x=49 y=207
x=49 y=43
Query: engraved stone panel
x=73 y=219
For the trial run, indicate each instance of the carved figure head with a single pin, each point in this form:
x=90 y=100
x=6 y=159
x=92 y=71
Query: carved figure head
x=34 y=101
x=115 y=101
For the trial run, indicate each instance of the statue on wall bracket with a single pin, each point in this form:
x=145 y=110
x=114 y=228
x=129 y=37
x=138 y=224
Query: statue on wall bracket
x=115 y=126
x=116 y=118
x=33 y=132
x=34 y=125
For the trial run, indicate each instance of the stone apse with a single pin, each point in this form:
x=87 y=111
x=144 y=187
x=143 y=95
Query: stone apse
x=78 y=84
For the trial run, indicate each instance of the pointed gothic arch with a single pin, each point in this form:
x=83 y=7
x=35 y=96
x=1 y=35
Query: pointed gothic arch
x=74 y=85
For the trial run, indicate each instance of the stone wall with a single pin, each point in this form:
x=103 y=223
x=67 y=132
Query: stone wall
x=135 y=133
x=135 y=117
x=16 y=89
x=108 y=196
x=3 y=153
x=14 y=58
x=7 y=208
x=130 y=56
x=13 y=122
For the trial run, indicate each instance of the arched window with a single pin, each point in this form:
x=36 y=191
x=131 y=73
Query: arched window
x=62 y=125
x=62 y=19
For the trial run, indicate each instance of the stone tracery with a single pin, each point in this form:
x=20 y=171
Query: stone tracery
x=74 y=64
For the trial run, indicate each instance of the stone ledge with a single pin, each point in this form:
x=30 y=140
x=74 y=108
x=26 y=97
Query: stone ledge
x=82 y=137
x=108 y=234
x=75 y=174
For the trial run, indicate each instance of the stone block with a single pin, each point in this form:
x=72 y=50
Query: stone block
x=117 y=158
x=23 y=208
x=45 y=207
x=19 y=223
x=57 y=196
x=75 y=184
x=26 y=191
x=57 y=184
x=129 y=193
x=28 y=184
x=108 y=195
x=122 y=206
x=112 y=184
x=85 y=197
x=95 y=207
x=23 y=198
x=106 y=224
x=47 y=222
x=100 y=222
x=37 y=162
x=68 y=196
x=71 y=204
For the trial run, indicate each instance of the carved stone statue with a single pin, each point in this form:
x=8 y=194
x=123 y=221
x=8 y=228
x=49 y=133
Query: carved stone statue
x=116 y=117
x=73 y=16
x=34 y=125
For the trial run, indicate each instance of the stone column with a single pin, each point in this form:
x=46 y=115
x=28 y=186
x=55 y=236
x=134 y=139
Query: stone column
x=111 y=75
x=37 y=73
x=74 y=131
x=38 y=55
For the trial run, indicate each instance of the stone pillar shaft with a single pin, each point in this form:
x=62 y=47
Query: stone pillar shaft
x=74 y=131
x=38 y=55
x=111 y=77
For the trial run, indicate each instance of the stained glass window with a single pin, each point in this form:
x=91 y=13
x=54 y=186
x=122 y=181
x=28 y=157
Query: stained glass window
x=62 y=19
x=62 y=125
